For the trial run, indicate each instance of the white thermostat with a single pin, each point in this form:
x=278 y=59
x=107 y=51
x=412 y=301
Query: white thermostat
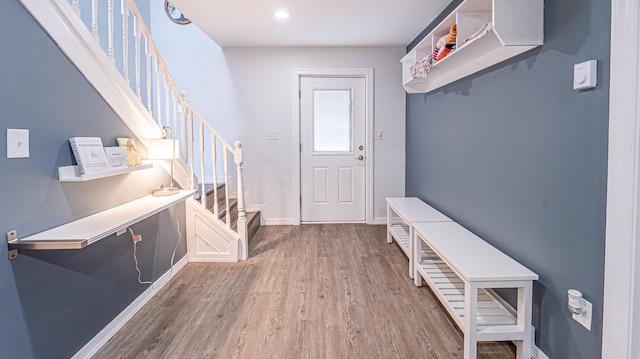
x=585 y=75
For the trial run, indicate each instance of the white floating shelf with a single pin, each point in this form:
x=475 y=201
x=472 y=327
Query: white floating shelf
x=85 y=231
x=72 y=173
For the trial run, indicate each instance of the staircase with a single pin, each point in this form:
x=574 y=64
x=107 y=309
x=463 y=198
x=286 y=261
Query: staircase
x=134 y=80
x=253 y=218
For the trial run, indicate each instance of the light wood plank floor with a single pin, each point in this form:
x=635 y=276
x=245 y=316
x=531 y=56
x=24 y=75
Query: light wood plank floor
x=311 y=291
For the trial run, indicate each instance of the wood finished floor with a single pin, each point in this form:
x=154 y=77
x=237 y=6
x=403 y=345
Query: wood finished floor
x=311 y=291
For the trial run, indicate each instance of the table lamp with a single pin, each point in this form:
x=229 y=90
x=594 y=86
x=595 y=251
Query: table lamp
x=164 y=149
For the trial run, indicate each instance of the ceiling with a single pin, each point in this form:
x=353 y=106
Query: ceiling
x=315 y=23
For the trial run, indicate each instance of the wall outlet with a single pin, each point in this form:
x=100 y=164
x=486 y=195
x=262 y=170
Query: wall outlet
x=585 y=317
x=272 y=135
x=377 y=135
x=137 y=238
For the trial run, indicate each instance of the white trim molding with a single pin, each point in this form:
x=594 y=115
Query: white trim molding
x=621 y=327
x=538 y=354
x=280 y=222
x=92 y=347
x=367 y=74
x=59 y=19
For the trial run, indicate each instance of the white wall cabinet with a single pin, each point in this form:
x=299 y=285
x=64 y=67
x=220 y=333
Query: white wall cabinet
x=511 y=28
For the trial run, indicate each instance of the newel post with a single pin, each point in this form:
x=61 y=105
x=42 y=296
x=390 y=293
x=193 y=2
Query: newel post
x=242 y=214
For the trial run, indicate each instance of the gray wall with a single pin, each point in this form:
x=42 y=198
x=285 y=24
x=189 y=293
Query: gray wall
x=55 y=301
x=519 y=158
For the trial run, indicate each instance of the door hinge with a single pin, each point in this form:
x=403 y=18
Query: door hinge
x=301 y=147
x=299 y=93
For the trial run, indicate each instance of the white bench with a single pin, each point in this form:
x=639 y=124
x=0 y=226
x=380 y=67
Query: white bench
x=401 y=213
x=461 y=270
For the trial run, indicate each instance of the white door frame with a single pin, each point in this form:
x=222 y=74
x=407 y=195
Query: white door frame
x=621 y=288
x=367 y=74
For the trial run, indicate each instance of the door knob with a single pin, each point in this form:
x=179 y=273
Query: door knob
x=361 y=147
x=361 y=157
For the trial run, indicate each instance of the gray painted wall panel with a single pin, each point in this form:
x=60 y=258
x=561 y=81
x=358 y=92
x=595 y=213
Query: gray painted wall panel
x=55 y=301
x=519 y=158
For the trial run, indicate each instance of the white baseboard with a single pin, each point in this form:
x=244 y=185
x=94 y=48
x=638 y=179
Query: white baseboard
x=289 y=221
x=538 y=354
x=279 y=222
x=118 y=322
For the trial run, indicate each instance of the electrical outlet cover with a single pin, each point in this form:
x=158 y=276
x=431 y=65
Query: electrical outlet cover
x=585 y=318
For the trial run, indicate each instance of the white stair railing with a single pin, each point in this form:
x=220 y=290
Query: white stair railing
x=204 y=151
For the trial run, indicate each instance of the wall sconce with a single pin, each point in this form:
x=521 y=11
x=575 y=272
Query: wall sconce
x=164 y=149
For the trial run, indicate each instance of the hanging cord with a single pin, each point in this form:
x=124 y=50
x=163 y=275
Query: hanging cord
x=135 y=259
x=176 y=247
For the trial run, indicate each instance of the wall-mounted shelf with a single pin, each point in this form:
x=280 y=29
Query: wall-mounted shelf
x=72 y=173
x=85 y=231
x=512 y=27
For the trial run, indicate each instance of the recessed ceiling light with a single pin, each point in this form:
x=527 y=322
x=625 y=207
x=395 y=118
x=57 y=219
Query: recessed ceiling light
x=282 y=15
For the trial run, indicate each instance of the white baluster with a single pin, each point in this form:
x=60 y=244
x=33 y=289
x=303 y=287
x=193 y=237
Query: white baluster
x=137 y=33
x=124 y=9
x=226 y=187
x=158 y=92
x=148 y=53
x=214 y=161
x=202 y=174
x=185 y=108
x=174 y=98
x=94 y=20
x=242 y=214
x=190 y=155
x=110 y=16
x=167 y=113
x=75 y=4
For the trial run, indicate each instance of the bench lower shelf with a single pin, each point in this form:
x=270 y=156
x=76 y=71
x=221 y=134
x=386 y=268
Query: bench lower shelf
x=401 y=234
x=496 y=320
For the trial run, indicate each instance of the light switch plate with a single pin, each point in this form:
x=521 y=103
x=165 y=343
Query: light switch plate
x=585 y=75
x=17 y=143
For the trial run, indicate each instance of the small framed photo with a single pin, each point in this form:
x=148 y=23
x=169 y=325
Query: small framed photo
x=116 y=156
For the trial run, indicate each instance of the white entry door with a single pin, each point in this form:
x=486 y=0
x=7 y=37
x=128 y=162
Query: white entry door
x=332 y=151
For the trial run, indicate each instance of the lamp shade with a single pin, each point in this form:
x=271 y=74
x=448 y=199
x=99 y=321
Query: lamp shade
x=161 y=149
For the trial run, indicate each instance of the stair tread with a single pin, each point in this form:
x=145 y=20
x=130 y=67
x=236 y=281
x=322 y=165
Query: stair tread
x=253 y=218
x=208 y=189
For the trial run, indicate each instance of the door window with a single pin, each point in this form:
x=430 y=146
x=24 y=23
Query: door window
x=332 y=127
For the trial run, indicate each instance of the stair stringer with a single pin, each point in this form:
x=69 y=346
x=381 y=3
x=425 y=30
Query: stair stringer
x=78 y=44
x=75 y=40
x=207 y=239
